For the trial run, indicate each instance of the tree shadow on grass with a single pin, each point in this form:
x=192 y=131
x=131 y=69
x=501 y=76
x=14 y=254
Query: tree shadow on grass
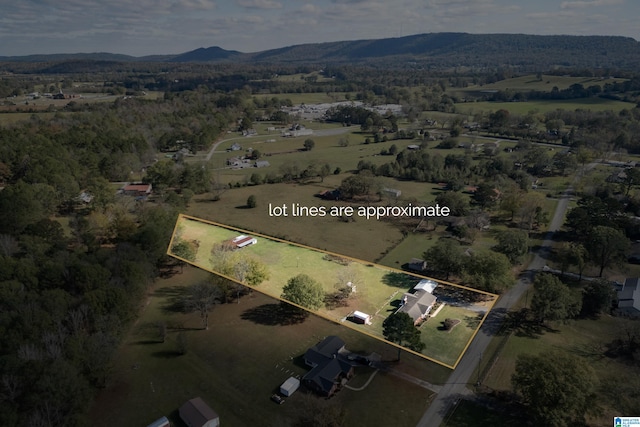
x=174 y=298
x=399 y=280
x=276 y=314
x=166 y=354
x=473 y=321
x=148 y=342
x=594 y=351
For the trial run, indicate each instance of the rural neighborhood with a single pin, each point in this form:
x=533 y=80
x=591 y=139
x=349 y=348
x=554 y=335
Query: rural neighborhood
x=431 y=229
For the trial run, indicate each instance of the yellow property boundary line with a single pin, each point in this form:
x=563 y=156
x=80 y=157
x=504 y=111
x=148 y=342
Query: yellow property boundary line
x=333 y=320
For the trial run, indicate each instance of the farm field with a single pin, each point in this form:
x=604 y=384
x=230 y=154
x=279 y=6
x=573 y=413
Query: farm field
x=379 y=289
x=543 y=106
x=327 y=233
x=151 y=378
x=545 y=83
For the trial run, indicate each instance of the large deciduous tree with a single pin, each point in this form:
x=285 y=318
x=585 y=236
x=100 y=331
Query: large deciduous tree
x=399 y=328
x=304 y=291
x=606 y=246
x=309 y=144
x=553 y=300
x=557 y=387
x=445 y=257
x=597 y=297
x=202 y=297
x=488 y=271
x=513 y=243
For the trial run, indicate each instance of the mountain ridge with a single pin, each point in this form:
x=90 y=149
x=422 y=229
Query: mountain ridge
x=430 y=49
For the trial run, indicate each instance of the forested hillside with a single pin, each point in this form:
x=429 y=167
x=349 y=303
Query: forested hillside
x=75 y=257
x=433 y=51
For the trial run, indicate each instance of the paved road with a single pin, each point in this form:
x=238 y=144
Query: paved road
x=456 y=386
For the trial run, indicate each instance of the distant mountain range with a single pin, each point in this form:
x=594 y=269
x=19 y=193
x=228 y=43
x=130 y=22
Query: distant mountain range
x=436 y=50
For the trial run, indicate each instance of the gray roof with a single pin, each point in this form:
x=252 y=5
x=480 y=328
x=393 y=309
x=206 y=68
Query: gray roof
x=629 y=296
x=196 y=413
x=325 y=375
x=324 y=350
x=418 y=304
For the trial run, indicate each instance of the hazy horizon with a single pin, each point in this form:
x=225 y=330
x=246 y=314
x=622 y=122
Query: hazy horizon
x=148 y=27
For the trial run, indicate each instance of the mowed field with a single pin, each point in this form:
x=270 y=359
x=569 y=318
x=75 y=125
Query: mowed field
x=378 y=293
x=240 y=361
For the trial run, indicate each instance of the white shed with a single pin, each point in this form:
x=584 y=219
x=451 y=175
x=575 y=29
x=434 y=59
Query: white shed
x=360 y=317
x=289 y=386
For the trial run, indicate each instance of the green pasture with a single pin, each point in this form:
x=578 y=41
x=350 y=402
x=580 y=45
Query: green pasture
x=326 y=233
x=545 y=84
x=543 y=106
x=238 y=363
x=377 y=286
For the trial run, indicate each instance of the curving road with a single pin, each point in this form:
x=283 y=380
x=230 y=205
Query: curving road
x=456 y=386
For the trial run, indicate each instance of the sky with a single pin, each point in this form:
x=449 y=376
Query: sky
x=149 y=27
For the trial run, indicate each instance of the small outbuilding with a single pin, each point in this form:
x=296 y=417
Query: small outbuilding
x=360 y=317
x=196 y=413
x=242 y=241
x=160 y=422
x=426 y=285
x=289 y=386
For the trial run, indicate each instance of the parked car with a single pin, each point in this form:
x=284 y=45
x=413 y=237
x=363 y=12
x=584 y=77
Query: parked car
x=277 y=398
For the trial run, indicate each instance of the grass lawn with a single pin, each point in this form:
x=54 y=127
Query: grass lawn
x=238 y=363
x=585 y=338
x=433 y=334
x=377 y=286
x=413 y=246
x=470 y=414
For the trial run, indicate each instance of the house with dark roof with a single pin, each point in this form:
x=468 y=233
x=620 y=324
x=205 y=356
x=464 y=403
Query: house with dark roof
x=629 y=297
x=330 y=367
x=196 y=413
x=416 y=264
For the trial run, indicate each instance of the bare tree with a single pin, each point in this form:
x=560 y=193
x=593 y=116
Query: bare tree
x=201 y=297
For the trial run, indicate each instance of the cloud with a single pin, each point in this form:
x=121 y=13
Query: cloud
x=578 y=4
x=260 y=4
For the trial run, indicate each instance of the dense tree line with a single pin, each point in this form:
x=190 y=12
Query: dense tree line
x=73 y=271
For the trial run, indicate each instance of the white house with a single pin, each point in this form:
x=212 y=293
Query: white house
x=629 y=297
